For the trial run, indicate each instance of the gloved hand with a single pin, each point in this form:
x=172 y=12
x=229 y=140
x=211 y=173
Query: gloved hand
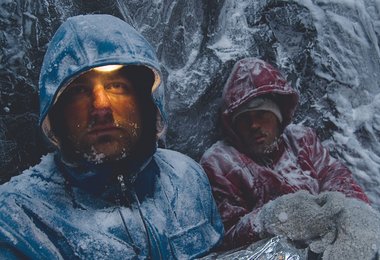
x=300 y=216
x=330 y=202
x=358 y=233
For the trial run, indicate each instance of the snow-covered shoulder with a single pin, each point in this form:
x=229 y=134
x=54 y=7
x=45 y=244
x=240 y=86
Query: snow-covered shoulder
x=181 y=164
x=221 y=146
x=180 y=172
x=34 y=179
x=222 y=156
x=298 y=131
x=218 y=147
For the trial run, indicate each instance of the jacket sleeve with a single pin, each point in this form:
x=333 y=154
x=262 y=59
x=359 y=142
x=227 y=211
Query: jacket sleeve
x=201 y=230
x=212 y=212
x=237 y=216
x=15 y=243
x=332 y=174
x=9 y=252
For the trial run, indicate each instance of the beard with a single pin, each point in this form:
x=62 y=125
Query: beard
x=107 y=148
x=274 y=146
x=104 y=146
x=263 y=156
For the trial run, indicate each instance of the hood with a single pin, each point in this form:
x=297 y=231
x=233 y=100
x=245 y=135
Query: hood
x=87 y=41
x=250 y=78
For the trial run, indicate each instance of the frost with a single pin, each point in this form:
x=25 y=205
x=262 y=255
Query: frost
x=95 y=156
x=225 y=49
x=329 y=50
x=283 y=217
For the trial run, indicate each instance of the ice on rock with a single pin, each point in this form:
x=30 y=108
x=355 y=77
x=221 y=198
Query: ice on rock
x=329 y=50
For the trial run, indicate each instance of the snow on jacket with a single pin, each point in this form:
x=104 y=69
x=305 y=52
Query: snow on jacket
x=48 y=212
x=242 y=186
x=43 y=218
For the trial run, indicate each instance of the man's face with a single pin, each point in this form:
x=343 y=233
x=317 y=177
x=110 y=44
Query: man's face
x=101 y=116
x=258 y=130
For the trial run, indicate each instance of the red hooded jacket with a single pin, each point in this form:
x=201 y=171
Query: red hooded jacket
x=240 y=185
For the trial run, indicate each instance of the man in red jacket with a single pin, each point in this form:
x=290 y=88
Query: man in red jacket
x=263 y=155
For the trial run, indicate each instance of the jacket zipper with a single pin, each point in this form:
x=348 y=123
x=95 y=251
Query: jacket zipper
x=124 y=194
x=123 y=200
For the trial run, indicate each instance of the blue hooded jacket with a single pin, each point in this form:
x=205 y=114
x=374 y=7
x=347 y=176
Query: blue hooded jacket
x=57 y=210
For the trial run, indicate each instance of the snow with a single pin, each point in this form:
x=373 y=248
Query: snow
x=331 y=224
x=283 y=216
x=225 y=49
x=329 y=49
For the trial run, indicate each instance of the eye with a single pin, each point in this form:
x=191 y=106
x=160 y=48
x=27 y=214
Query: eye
x=267 y=115
x=77 y=91
x=243 y=119
x=117 y=88
x=261 y=114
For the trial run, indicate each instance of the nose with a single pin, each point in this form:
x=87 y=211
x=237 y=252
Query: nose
x=101 y=112
x=255 y=125
x=100 y=98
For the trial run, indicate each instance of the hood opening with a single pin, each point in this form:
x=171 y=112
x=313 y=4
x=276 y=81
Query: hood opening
x=144 y=79
x=251 y=78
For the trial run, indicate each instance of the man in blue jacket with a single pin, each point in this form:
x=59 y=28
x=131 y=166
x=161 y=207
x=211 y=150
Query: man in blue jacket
x=108 y=191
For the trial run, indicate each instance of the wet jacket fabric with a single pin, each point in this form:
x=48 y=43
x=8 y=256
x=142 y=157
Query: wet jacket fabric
x=241 y=185
x=42 y=217
x=159 y=206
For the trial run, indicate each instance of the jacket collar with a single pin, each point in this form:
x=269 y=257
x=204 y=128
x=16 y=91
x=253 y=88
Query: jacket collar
x=98 y=178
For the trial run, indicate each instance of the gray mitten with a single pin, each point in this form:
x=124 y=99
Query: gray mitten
x=330 y=202
x=299 y=216
x=358 y=233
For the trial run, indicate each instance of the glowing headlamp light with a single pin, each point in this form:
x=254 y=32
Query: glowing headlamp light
x=108 y=68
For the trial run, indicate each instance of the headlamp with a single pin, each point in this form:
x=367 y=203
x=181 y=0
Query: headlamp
x=108 y=68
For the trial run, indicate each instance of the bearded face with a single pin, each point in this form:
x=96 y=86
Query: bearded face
x=259 y=131
x=101 y=116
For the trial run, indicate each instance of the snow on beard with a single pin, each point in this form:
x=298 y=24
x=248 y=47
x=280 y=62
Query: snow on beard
x=124 y=146
x=272 y=147
x=267 y=151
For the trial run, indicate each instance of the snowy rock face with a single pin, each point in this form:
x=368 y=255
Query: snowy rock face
x=328 y=49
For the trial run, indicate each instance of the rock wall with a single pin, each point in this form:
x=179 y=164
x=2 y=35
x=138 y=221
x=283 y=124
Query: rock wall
x=328 y=49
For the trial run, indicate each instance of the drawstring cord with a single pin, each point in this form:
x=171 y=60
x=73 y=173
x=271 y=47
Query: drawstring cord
x=135 y=248
x=145 y=225
x=131 y=191
x=125 y=201
x=126 y=195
